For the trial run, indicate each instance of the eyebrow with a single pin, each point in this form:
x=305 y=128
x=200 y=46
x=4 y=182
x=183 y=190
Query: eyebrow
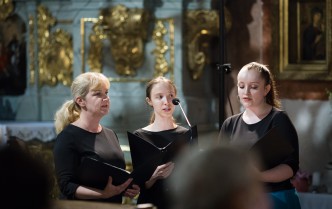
x=249 y=82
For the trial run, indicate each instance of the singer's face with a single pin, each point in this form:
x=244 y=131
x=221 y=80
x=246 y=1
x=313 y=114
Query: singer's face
x=251 y=88
x=161 y=99
x=97 y=101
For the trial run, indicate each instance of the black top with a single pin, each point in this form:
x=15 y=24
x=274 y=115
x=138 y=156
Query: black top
x=238 y=133
x=72 y=145
x=158 y=194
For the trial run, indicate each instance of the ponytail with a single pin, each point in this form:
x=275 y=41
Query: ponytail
x=68 y=113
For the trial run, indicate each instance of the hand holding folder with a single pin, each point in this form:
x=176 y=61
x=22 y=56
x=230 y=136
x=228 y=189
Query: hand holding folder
x=95 y=173
x=146 y=157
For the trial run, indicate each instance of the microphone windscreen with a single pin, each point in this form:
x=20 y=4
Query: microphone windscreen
x=175 y=101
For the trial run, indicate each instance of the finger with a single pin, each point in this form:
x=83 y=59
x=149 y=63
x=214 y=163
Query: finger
x=110 y=179
x=168 y=164
x=136 y=187
x=128 y=194
x=123 y=186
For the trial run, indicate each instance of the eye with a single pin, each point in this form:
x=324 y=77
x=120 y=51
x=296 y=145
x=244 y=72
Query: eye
x=241 y=86
x=254 y=87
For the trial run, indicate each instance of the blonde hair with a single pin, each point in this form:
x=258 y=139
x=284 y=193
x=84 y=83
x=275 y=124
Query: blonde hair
x=150 y=86
x=272 y=96
x=70 y=110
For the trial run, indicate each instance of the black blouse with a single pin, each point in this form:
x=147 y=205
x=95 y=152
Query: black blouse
x=158 y=194
x=72 y=145
x=238 y=133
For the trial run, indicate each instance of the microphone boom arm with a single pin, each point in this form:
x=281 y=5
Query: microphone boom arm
x=184 y=115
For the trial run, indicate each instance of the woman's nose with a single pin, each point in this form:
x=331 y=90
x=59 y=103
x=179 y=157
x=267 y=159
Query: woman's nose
x=106 y=98
x=165 y=100
x=247 y=90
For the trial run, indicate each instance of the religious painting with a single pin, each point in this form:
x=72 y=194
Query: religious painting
x=12 y=56
x=313 y=31
x=304 y=46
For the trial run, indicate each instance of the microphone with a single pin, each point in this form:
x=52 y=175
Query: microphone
x=176 y=101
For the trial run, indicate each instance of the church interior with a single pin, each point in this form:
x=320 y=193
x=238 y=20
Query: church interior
x=199 y=44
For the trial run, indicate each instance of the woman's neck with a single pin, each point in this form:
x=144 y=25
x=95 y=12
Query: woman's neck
x=89 y=124
x=161 y=125
x=254 y=115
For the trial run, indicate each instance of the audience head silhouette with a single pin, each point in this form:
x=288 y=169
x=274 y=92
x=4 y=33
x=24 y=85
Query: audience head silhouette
x=24 y=180
x=215 y=178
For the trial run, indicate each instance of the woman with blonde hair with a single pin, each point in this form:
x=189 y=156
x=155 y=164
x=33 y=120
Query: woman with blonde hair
x=80 y=135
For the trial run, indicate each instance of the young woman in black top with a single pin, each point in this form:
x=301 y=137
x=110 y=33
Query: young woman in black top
x=258 y=95
x=161 y=131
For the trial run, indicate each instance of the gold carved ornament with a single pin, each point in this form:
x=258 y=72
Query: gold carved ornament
x=201 y=26
x=32 y=50
x=6 y=8
x=161 y=66
x=127 y=31
x=95 y=51
x=55 y=53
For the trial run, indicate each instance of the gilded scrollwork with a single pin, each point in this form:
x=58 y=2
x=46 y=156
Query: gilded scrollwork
x=32 y=49
x=201 y=26
x=95 y=52
x=55 y=53
x=127 y=31
x=161 y=66
x=6 y=8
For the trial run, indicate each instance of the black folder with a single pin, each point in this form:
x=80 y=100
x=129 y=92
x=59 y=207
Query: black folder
x=141 y=149
x=272 y=148
x=95 y=173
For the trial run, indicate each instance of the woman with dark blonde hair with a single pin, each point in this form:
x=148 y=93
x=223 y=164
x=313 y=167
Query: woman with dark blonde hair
x=261 y=115
x=81 y=135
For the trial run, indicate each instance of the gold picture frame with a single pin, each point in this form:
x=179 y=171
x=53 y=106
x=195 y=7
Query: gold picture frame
x=304 y=38
x=167 y=39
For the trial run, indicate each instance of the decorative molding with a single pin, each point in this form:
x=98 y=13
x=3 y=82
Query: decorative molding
x=6 y=8
x=201 y=26
x=55 y=51
x=32 y=69
x=163 y=46
x=127 y=31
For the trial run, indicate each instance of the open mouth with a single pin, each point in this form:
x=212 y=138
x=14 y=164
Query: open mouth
x=105 y=106
x=167 y=109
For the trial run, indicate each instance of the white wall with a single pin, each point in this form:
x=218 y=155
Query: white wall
x=313 y=122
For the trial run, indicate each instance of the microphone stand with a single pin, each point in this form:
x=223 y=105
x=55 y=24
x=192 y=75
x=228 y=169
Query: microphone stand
x=185 y=115
x=176 y=101
x=222 y=68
